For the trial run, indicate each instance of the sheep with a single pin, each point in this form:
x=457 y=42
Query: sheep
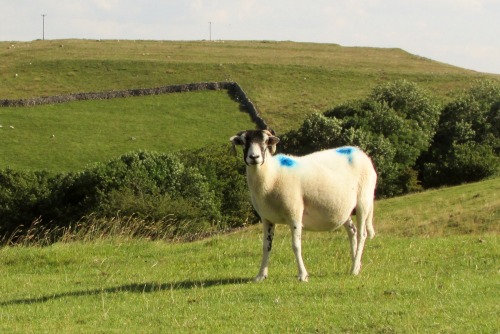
x=316 y=192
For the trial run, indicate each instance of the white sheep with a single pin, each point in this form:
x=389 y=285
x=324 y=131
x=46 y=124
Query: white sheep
x=315 y=192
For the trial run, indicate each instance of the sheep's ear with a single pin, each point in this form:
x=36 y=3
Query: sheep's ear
x=272 y=141
x=235 y=140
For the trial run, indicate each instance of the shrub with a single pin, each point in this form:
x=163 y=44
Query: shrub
x=394 y=125
x=22 y=196
x=317 y=132
x=159 y=178
x=225 y=175
x=466 y=146
x=148 y=186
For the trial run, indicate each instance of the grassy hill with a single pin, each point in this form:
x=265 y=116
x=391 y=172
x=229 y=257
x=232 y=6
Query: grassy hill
x=467 y=209
x=286 y=80
x=414 y=280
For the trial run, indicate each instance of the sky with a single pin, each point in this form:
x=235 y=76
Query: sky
x=464 y=33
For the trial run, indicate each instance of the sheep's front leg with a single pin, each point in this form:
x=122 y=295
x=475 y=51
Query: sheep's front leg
x=296 y=229
x=267 y=245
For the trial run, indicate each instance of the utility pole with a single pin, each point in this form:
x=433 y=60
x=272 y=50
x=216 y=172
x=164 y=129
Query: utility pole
x=210 y=30
x=43 y=26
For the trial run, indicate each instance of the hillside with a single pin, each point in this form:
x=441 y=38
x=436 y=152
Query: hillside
x=285 y=80
x=469 y=209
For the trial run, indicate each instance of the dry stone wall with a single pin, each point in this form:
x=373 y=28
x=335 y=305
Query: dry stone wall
x=233 y=89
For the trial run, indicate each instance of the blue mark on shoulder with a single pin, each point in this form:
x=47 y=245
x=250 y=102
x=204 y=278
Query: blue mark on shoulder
x=286 y=161
x=347 y=151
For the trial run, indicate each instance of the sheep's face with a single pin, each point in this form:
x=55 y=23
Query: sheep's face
x=256 y=144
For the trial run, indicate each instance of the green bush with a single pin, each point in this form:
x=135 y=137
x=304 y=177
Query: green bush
x=225 y=174
x=201 y=187
x=161 y=178
x=317 y=132
x=394 y=125
x=466 y=146
x=22 y=197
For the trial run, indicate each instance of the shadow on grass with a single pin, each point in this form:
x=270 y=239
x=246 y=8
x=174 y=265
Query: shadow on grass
x=134 y=288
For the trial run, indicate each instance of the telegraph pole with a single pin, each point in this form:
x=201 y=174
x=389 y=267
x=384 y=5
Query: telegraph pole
x=210 y=30
x=43 y=26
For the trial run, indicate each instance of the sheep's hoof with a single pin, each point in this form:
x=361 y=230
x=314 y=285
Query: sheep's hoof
x=304 y=278
x=355 y=271
x=259 y=278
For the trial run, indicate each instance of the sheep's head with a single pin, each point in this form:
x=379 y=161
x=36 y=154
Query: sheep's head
x=256 y=144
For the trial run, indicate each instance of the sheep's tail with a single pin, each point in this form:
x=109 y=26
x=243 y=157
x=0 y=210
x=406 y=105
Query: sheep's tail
x=369 y=223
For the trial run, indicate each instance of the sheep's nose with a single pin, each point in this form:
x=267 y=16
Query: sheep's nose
x=254 y=156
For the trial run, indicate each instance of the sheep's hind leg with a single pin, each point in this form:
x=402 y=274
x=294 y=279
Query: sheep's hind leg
x=369 y=224
x=352 y=234
x=267 y=245
x=363 y=213
x=296 y=230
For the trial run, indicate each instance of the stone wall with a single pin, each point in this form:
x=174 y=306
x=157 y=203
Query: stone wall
x=234 y=90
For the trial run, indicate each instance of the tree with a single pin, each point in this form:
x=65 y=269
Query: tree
x=394 y=125
x=466 y=146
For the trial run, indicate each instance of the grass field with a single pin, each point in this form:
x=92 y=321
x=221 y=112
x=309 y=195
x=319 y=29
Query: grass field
x=413 y=280
x=408 y=285
x=68 y=136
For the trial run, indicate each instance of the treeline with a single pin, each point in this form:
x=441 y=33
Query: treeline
x=415 y=143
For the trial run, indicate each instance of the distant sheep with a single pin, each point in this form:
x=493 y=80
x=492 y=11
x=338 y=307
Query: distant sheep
x=315 y=192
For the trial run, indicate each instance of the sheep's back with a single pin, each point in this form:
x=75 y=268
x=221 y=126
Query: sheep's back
x=340 y=170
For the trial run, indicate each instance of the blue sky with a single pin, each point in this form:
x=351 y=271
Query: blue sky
x=464 y=33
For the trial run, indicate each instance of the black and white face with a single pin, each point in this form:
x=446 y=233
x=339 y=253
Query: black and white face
x=256 y=144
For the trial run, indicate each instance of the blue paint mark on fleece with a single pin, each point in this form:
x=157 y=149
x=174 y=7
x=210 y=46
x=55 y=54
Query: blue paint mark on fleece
x=286 y=161
x=347 y=151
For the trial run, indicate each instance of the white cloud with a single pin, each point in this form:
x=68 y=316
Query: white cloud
x=107 y=5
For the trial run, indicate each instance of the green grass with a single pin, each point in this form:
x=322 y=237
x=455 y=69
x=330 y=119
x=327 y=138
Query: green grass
x=71 y=135
x=467 y=209
x=410 y=283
